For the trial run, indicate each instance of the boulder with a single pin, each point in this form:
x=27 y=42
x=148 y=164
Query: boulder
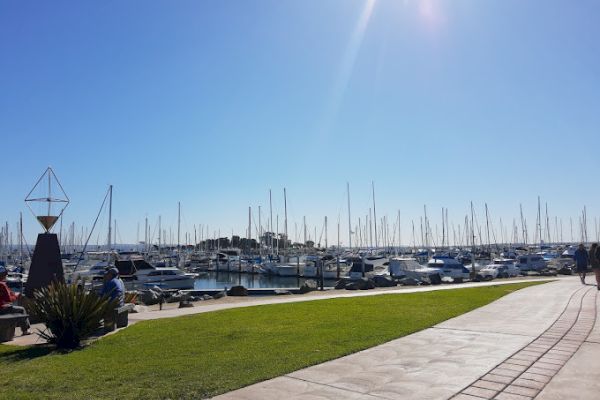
x=360 y=284
x=281 y=292
x=237 y=291
x=149 y=297
x=383 y=281
x=341 y=284
x=308 y=286
x=206 y=297
x=174 y=298
x=220 y=295
x=138 y=309
x=409 y=282
x=185 y=304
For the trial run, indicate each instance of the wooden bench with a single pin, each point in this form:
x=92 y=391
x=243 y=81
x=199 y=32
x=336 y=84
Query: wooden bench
x=8 y=323
x=119 y=318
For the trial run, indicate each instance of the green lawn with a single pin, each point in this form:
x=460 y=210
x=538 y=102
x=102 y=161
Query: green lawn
x=206 y=354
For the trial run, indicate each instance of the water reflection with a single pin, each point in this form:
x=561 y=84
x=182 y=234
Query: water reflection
x=219 y=280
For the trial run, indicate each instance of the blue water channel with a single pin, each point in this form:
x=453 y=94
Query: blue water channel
x=219 y=280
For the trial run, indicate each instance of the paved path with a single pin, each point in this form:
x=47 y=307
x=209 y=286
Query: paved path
x=541 y=342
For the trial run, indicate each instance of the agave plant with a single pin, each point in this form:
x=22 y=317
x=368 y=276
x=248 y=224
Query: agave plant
x=69 y=313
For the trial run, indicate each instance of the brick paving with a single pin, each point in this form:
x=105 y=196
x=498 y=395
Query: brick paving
x=524 y=375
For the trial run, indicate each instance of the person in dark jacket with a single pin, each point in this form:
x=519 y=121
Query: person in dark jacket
x=581 y=262
x=595 y=262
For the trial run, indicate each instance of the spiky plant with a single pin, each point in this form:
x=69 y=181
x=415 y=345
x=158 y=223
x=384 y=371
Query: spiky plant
x=69 y=313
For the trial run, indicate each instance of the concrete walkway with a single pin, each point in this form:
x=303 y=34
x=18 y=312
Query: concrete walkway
x=541 y=342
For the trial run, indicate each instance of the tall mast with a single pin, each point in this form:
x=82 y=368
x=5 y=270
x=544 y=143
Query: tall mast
x=399 y=234
x=178 y=231
x=370 y=229
x=326 y=232
x=304 y=222
x=487 y=224
x=271 y=220
x=159 y=234
x=110 y=188
x=286 y=220
x=21 y=238
x=443 y=228
x=349 y=219
x=472 y=227
x=374 y=214
x=540 y=221
x=249 y=225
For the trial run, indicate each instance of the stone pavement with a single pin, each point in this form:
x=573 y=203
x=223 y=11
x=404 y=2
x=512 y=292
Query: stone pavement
x=541 y=342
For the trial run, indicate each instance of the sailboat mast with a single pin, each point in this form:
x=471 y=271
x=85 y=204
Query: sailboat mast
x=374 y=214
x=349 y=218
x=109 y=242
x=326 y=232
x=271 y=221
x=487 y=225
x=285 y=224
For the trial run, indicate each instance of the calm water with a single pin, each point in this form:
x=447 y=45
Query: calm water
x=214 y=280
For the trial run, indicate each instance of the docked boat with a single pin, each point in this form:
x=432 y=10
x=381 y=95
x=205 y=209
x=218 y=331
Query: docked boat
x=138 y=273
x=286 y=269
x=408 y=267
x=449 y=267
x=368 y=266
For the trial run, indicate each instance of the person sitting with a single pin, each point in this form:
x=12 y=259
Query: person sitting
x=7 y=297
x=113 y=286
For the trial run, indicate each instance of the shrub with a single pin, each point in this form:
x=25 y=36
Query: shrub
x=69 y=313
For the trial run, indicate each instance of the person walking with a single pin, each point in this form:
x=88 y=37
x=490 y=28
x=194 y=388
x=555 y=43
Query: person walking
x=581 y=262
x=595 y=262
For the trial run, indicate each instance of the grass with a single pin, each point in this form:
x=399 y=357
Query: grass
x=206 y=354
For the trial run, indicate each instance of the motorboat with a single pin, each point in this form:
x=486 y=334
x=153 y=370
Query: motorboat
x=335 y=269
x=408 y=267
x=368 y=266
x=286 y=269
x=499 y=268
x=449 y=267
x=137 y=272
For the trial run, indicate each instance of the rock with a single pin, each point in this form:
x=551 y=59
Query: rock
x=237 y=291
x=174 y=298
x=447 y=279
x=220 y=295
x=149 y=297
x=138 y=309
x=308 y=286
x=409 y=282
x=280 y=292
x=360 y=284
x=185 y=304
x=207 y=297
x=383 y=281
x=341 y=284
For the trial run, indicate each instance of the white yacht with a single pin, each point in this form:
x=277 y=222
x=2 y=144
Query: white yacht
x=410 y=268
x=450 y=267
x=373 y=265
x=137 y=273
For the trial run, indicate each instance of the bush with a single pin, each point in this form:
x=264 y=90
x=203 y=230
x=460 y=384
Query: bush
x=69 y=313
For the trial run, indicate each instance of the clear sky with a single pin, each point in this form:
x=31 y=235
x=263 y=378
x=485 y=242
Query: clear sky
x=212 y=103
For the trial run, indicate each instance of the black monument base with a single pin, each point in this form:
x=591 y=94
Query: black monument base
x=46 y=264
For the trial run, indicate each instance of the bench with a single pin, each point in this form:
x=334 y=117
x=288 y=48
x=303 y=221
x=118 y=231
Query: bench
x=8 y=323
x=119 y=318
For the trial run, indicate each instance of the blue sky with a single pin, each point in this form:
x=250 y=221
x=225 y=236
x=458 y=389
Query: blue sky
x=212 y=103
